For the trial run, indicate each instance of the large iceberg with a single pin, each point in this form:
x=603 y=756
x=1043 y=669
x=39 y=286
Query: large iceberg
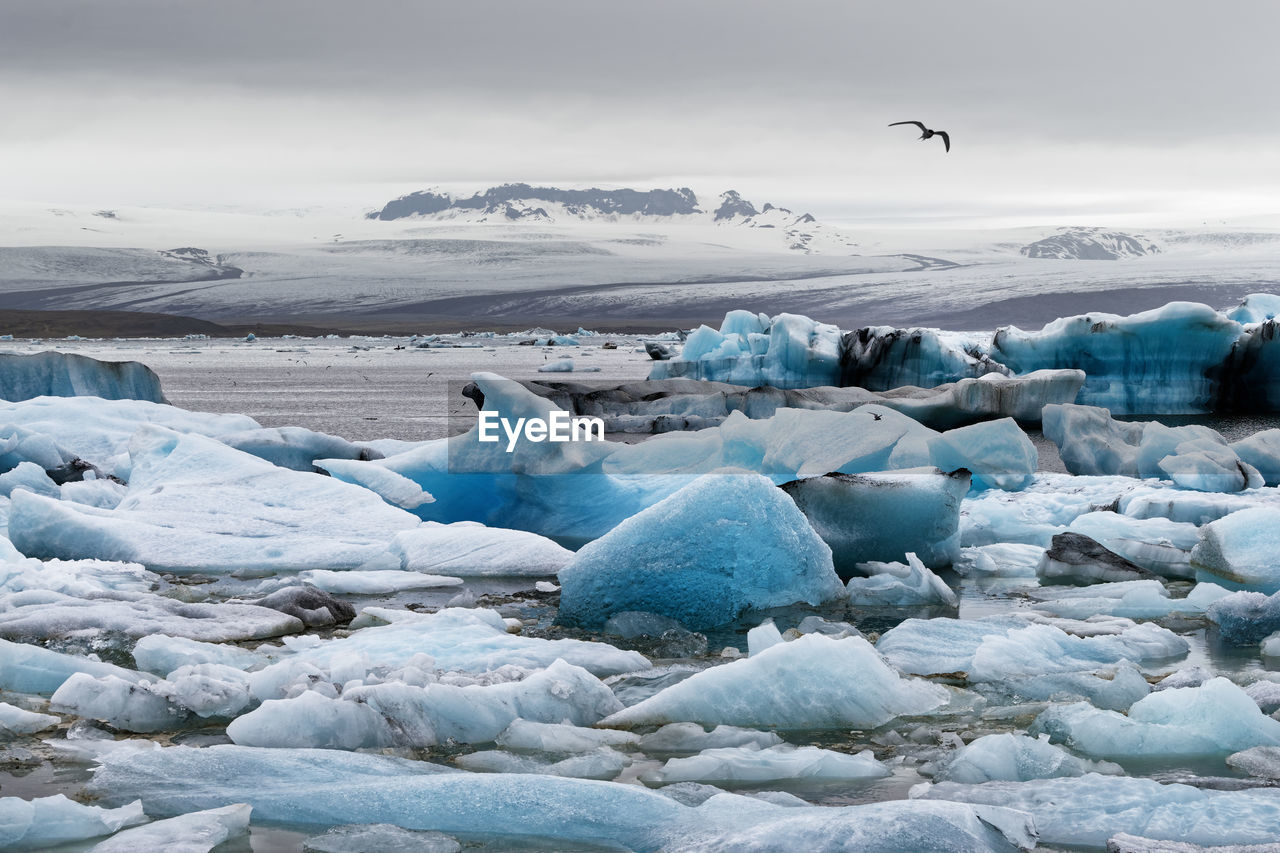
x=64 y=374
x=724 y=544
x=813 y=682
x=1180 y=358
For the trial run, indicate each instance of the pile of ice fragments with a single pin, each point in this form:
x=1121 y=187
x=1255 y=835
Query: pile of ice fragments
x=715 y=639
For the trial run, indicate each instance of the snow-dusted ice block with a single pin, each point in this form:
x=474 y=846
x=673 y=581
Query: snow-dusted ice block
x=31 y=669
x=466 y=639
x=64 y=374
x=324 y=787
x=469 y=549
x=997 y=453
x=724 y=544
x=880 y=517
x=1239 y=551
x=83 y=578
x=136 y=615
x=998 y=648
x=49 y=821
x=198 y=832
x=813 y=682
x=787 y=351
x=1087 y=810
x=1216 y=718
x=1011 y=758
x=194 y=504
x=745 y=765
x=398 y=714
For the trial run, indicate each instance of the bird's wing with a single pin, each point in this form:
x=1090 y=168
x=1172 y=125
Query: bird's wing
x=946 y=140
x=916 y=123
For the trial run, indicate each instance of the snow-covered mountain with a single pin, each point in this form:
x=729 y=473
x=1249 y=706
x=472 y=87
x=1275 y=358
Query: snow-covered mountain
x=523 y=203
x=1090 y=244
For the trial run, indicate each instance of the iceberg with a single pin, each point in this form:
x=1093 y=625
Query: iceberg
x=787 y=351
x=1076 y=557
x=601 y=763
x=901 y=585
x=469 y=549
x=198 y=832
x=691 y=737
x=325 y=787
x=1087 y=810
x=194 y=504
x=134 y=615
x=813 y=682
x=1246 y=618
x=529 y=736
x=1155 y=544
x=65 y=374
x=745 y=765
x=49 y=821
x=881 y=517
x=724 y=544
x=16 y=721
x=295 y=448
x=1216 y=718
x=133 y=706
x=1238 y=551
x=373 y=582
x=383 y=837
x=31 y=669
x=398 y=714
x=1013 y=758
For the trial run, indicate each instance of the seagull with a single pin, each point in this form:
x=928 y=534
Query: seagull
x=926 y=133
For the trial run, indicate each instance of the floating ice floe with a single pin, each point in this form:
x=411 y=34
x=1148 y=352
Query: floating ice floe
x=399 y=714
x=470 y=549
x=880 y=517
x=691 y=737
x=294 y=447
x=1155 y=544
x=198 y=832
x=1239 y=550
x=900 y=584
x=374 y=582
x=999 y=648
x=600 y=763
x=1087 y=810
x=753 y=765
x=50 y=615
x=49 y=821
x=1142 y=599
x=325 y=787
x=1014 y=758
x=1215 y=718
x=194 y=504
x=724 y=544
x=813 y=682
x=16 y=721
x=1246 y=618
x=1193 y=456
x=530 y=736
x=26 y=668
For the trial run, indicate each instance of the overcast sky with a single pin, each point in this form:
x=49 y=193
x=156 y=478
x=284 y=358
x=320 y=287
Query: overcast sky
x=1093 y=110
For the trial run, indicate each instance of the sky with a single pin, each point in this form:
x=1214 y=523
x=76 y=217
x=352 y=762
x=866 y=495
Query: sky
x=1084 y=112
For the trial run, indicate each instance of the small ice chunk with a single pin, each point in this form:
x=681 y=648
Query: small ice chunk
x=16 y=721
x=50 y=821
x=691 y=737
x=382 y=837
x=373 y=582
x=1013 y=758
x=529 y=736
x=601 y=763
x=763 y=636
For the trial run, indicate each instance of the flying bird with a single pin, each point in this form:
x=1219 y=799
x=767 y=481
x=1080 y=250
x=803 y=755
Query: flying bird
x=926 y=133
